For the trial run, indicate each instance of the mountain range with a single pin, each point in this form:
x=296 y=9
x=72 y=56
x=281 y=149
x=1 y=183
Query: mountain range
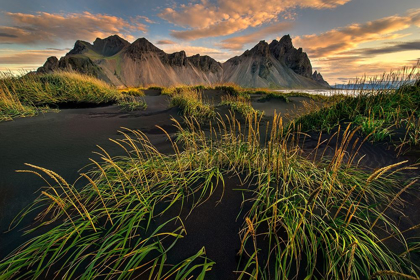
x=116 y=61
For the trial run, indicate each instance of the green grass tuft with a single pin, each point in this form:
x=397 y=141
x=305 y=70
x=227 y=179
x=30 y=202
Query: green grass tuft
x=131 y=103
x=27 y=95
x=191 y=104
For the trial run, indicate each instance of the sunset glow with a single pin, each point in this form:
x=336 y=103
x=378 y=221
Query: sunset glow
x=343 y=38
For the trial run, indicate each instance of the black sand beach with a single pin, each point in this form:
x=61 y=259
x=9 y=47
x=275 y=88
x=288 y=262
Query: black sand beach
x=64 y=142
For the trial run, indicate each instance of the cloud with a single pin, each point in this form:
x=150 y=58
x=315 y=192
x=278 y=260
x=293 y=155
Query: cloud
x=207 y=19
x=35 y=58
x=46 y=27
x=393 y=48
x=146 y=19
x=165 y=42
x=7 y=35
x=237 y=43
x=55 y=49
x=347 y=38
x=336 y=71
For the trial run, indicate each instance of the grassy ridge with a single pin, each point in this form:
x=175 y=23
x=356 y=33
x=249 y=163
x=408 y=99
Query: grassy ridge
x=23 y=96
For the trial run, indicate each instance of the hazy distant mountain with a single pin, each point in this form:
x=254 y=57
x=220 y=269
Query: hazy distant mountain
x=116 y=61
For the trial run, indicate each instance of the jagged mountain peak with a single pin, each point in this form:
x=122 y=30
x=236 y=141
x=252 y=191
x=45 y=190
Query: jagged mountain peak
x=143 y=45
x=80 y=47
x=109 y=39
x=280 y=48
x=110 y=45
x=318 y=77
x=205 y=62
x=261 y=48
x=277 y=64
x=286 y=42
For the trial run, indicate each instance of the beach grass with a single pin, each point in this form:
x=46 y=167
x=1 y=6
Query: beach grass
x=321 y=218
x=310 y=216
x=381 y=112
x=191 y=104
x=132 y=103
x=239 y=104
x=31 y=93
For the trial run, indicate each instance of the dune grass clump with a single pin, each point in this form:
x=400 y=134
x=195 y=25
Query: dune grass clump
x=60 y=87
x=373 y=127
x=308 y=218
x=11 y=107
x=380 y=112
x=155 y=88
x=132 y=103
x=32 y=93
x=240 y=105
x=273 y=95
x=191 y=104
x=174 y=90
x=132 y=91
x=233 y=90
x=106 y=229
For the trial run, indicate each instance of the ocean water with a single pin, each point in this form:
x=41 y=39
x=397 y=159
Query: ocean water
x=328 y=92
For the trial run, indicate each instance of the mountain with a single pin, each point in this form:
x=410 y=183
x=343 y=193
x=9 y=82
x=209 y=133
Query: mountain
x=118 y=62
x=277 y=64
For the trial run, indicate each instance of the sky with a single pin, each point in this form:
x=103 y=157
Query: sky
x=344 y=39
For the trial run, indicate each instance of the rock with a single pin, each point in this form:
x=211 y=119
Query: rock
x=140 y=47
x=50 y=65
x=176 y=59
x=277 y=64
x=110 y=46
x=279 y=48
x=318 y=78
x=80 y=64
x=261 y=49
x=295 y=59
x=80 y=47
x=205 y=63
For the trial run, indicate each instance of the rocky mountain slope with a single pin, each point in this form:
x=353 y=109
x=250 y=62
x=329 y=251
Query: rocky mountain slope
x=118 y=62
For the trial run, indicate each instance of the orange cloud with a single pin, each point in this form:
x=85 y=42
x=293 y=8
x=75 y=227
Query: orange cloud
x=229 y=16
x=237 y=43
x=165 y=42
x=28 y=59
x=341 y=70
x=339 y=40
x=46 y=27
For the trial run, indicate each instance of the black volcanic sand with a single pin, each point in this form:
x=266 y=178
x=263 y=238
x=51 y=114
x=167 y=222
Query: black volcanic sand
x=64 y=141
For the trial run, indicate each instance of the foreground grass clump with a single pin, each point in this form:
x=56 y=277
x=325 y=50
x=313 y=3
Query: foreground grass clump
x=190 y=102
x=11 y=107
x=34 y=90
x=310 y=219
